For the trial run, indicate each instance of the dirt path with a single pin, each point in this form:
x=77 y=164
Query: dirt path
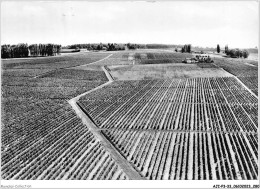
x=250 y=64
x=82 y=66
x=107 y=74
x=78 y=67
x=119 y=159
x=239 y=81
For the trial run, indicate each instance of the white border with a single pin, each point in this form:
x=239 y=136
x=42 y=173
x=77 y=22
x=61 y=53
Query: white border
x=125 y=183
x=129 y=183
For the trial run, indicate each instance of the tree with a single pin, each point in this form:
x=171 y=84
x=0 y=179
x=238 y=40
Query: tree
x=189 y=48
x=237 y=54
x=218 y=48
x=232 y=52
x=185 y=48
x=245 y=53
x=226 y=50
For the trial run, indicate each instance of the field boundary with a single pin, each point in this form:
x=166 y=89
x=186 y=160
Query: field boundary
x=109 y=76
x=127 y=168
x=239 y=81
x=250 y=64
x=119 y=159
x=91 y=62
x=72 y=67
x=37 y=76
x=245 y=86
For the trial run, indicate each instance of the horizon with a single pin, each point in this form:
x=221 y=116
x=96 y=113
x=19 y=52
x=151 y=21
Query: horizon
x=68 y=23
x=192 y=46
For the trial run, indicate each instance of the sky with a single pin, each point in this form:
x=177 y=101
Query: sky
x=200 y=23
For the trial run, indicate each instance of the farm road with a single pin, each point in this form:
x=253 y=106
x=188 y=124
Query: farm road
x=82 y=66
x=120 y=160
x=78 y=67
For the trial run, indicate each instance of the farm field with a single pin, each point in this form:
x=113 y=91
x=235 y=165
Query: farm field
x=155 y=117
x=53 y=62
x=40 y=86
x=165 y=155
x=243 y=69
x=62 y=148
x=183 y=104
x=164 y=71
x=117 y=58
x=160 y=57
x=180 y=128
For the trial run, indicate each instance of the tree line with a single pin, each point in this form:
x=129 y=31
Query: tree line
x=24 y=50
x=159 y=46
x=105 y=46
x=186 y=48
x=236 y=53
x=97 y=47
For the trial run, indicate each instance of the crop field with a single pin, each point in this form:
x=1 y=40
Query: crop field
x=188 y=155
x=60 y=148
x=117 y=58
x=165 y=71
x=53 y=62
x=24 y=72
x=195 y=128
x=42 y=92
x=184 y=104
x=77 y=74
x=24 y=96
x=160 y=57
x=147 y=121
x=49 y=82
x=15 y=110
x=247 y=73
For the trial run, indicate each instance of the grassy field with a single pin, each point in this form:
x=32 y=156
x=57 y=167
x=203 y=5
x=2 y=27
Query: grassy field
x=160 y=57
x=164 y=71
x=162 y=119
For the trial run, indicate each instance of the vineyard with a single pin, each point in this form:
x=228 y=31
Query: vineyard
x=27 y=98
x=159 y=122
x=34 y=98
x=77 y=74
x=55 y=62
x=188 y=155
x=195 y=128
x=160 y=58
x=247 y=73
x=60 y=148
x=184 y=104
